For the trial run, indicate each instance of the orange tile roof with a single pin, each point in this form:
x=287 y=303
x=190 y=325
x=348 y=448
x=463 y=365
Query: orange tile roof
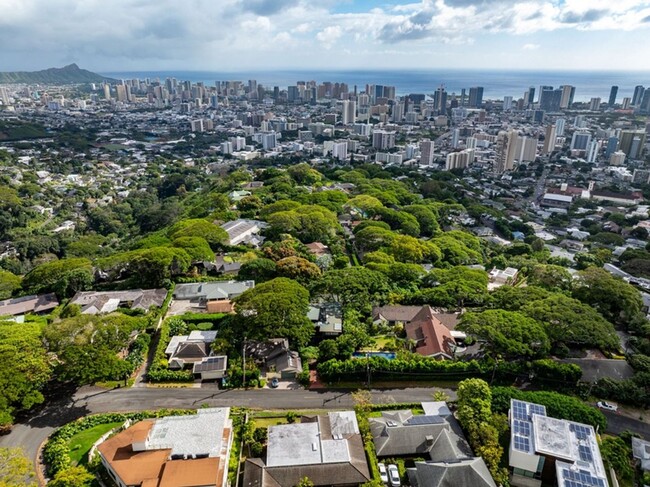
x=134 y=468
x=431 y=336
x=190 y=473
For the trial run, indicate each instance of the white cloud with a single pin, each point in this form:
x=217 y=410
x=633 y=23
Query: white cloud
x=530 y=47
x=329 y=35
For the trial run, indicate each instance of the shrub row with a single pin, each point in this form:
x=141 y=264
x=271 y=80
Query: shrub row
x=544 y=371
x=557 y=405
x=158 y=371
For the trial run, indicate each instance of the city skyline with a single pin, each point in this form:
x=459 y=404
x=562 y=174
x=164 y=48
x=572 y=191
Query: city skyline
x=233 y=35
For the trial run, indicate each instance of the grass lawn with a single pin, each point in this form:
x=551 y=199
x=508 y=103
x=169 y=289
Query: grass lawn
x=112 y=384
x=266 y=422
x=81 y=442
x=382 y=341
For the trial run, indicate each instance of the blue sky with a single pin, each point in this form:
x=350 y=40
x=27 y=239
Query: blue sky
x=231 y=35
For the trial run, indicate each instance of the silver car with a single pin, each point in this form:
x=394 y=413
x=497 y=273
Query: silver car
x=383 y=474
x=393 y=475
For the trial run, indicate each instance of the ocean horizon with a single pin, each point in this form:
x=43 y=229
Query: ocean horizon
x=496 y=83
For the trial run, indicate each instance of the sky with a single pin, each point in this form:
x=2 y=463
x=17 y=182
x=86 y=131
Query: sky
x=237 y=35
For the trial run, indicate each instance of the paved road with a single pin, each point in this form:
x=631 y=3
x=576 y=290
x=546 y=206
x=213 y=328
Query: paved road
x=31 y=432
x=617 y=423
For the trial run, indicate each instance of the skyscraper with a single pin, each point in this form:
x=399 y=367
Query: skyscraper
x=546 y=98
x=638 y=95
x=4 y=95
x=426 y=152
x=580 y=140
x=559 y=126
x=549 y=140
x=507 y=103
x=566 y=98
x=632 y=150
x=612 y=96
x=594 y=104
x=476 y=97
x=440 y=101
x=529 y=97
x=348 y=112
x=505 y=151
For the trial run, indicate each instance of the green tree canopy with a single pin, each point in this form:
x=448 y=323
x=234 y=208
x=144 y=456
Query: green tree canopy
x=571 y=322
x=52 y=275
x=213 y=234
x=507 y=333
x=354 y=287
x=276 y=308
x=16 y=470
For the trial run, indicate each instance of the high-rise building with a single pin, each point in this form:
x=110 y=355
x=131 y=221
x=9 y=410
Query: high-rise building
x=505 y=151
x=566 y=98
x=507 y=103
x=592 y=151
x=529 y=97
x=612 y=96
x=617 y=158
x=549 y=140
x=455 y=138
x=594 y=104
x=627 y=101
x=459 y=160
x=631 y=147
x=107 y=91
x=440 y=101
x=612 y=146
x=336 y=149
x=546 y=96
x=559 y=127
x=398 y=112
x=638 y=95
x=644 y=106
x=383 y=139
x=293 y=94
x=580 y=140
x=348 y=112
x=525 y=149
x=476 y=97
x=426 y=152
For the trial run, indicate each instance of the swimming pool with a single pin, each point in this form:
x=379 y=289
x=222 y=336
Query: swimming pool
x=386 y=355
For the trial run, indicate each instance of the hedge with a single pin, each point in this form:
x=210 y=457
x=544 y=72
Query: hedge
x=158 y=371
x=557 y=405
x=56 y=453
x=544 y=372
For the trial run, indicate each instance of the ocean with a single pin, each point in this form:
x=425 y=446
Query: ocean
x=496 y=84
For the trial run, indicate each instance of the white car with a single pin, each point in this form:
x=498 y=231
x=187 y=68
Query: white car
x=607 y=406
x=393 y=475
x=383 y=474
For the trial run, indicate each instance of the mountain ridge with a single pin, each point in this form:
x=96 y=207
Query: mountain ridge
x=69 y=74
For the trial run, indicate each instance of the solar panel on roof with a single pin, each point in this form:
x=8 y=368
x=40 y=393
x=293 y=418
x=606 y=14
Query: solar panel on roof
x=519 y=410
x=522 y=443
x=424 y=419
x=581 y=432
x=537 y=409
x=581 y=478
x=522 y=427
x=585 y=453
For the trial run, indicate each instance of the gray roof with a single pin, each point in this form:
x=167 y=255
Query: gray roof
x=28 y=304
x=285 y=362
x=467 y=472
x=212 y=290
x=93 y=302
x=326 y=449
x=197 y=434
x=398 y=433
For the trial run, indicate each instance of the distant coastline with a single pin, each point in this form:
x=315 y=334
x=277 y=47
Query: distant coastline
x=497 y=83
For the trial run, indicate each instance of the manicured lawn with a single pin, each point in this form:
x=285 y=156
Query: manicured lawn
x=266 y=422
x=81 y=442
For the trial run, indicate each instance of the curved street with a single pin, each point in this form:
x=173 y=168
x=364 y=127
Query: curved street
x=30 y=433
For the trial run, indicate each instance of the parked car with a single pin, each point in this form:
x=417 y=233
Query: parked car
x=383 y=474
x=607 y=406
x=274 y=383
x=393 y=475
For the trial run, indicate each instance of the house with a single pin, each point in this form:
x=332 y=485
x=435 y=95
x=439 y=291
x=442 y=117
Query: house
x=468 y=471
x=224 y=267
x=189 y=349
x=641 y=453
x=274 y=355
x=96 y=302
x=173 y=451
x=552 y=451
x=318 y=249
x=327 y=318
x=500 y=277
x=238 y=195
x=28 y=304
x=244 y=231
x=431 y=337
x=435 y=437
x=214 y=297
x=327 y=449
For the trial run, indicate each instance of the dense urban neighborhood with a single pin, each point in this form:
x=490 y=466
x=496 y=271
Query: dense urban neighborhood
x=233 y=254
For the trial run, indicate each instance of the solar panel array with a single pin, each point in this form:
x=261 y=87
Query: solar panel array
x=519 y=410
x=424 y=419
x=537 y=409
x=522 y=444
x=581 y=478
x=211 y=363
x=581 y=432
x=521 y=427
x=585 y=453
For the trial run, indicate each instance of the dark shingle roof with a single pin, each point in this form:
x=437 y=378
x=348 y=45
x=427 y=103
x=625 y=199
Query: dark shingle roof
x=469 y=472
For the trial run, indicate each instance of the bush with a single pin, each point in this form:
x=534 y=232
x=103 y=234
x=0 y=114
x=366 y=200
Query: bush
x=158 y=372
x=557 y=405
